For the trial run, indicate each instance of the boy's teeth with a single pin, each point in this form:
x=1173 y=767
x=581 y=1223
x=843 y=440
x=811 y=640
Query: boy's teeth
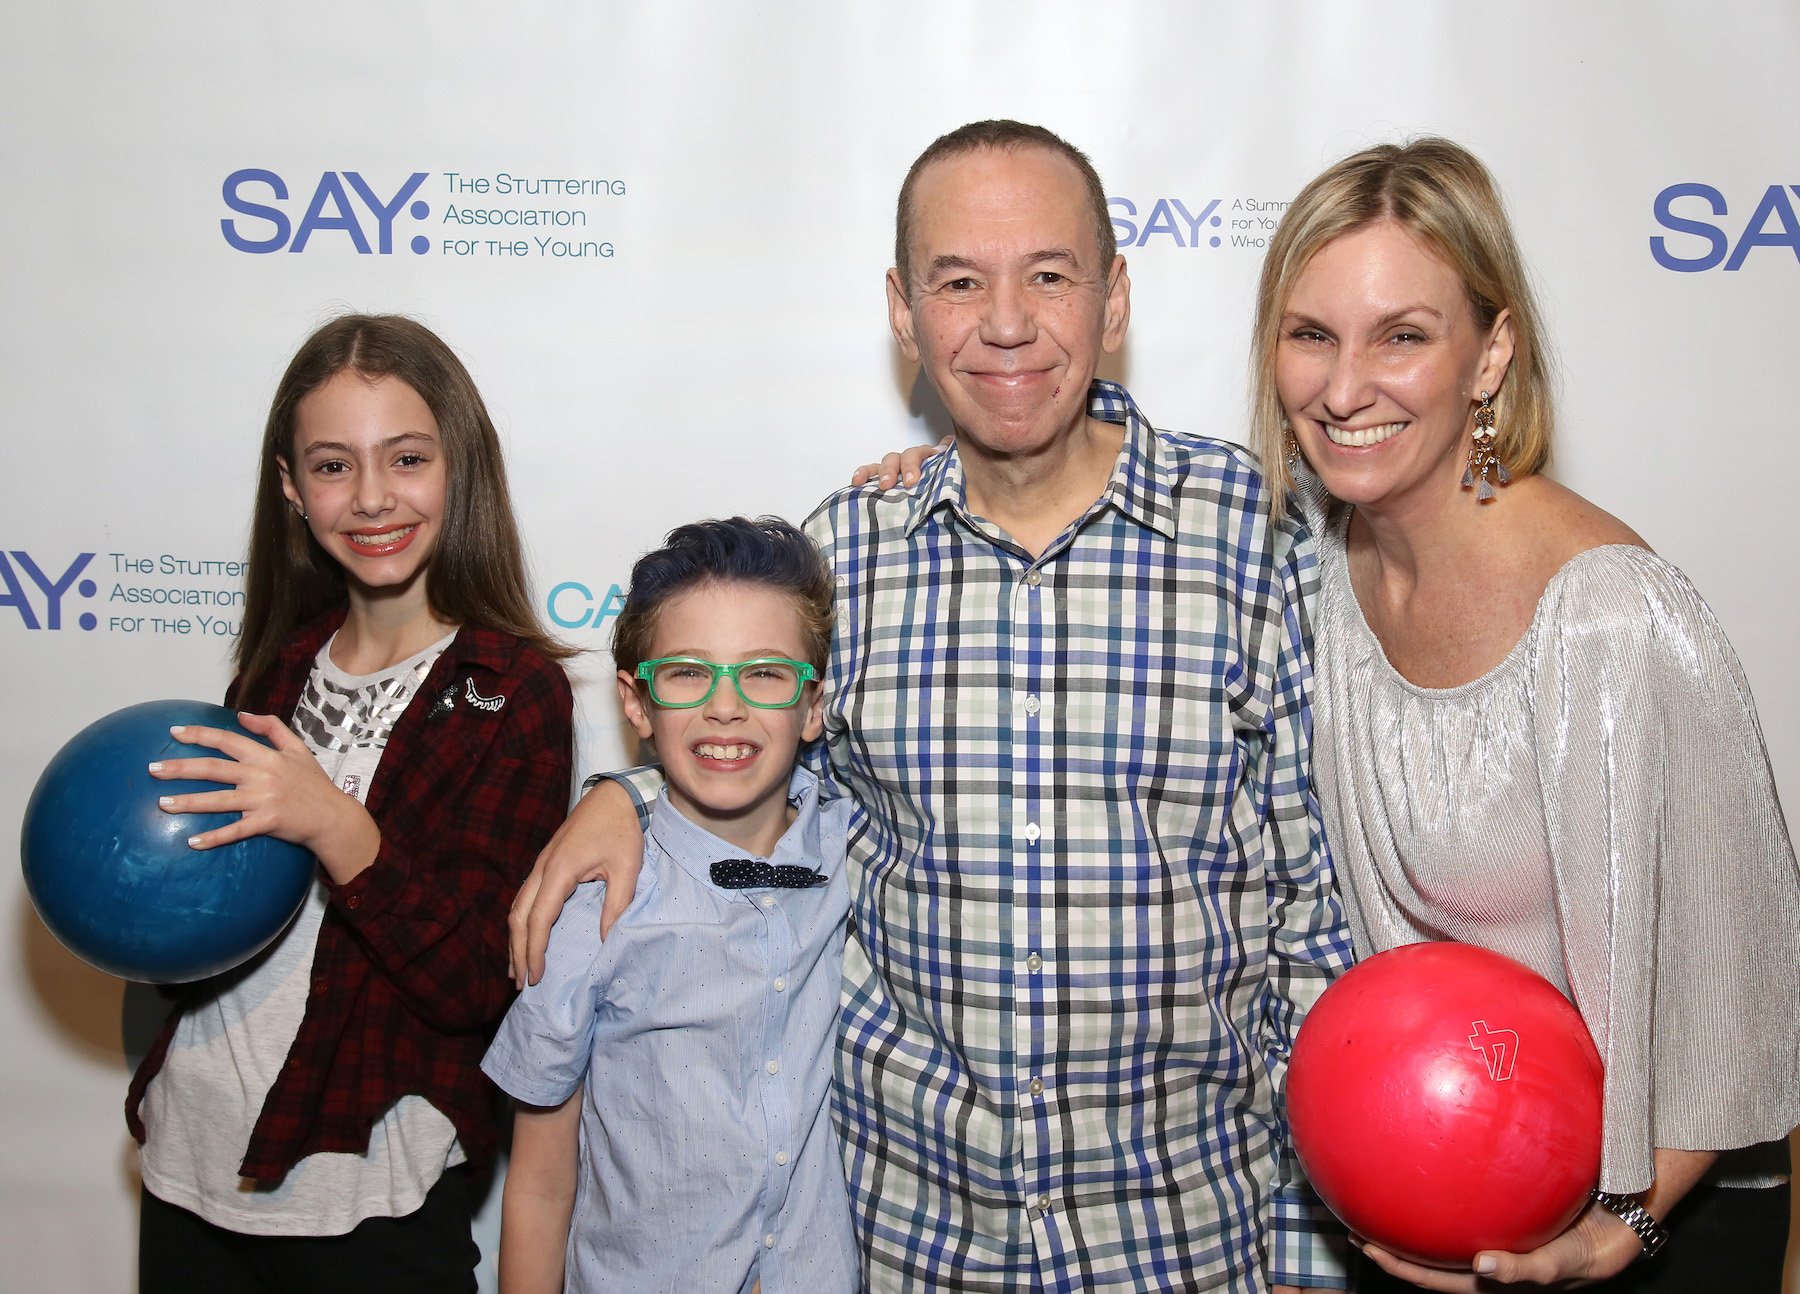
x=725 y=752
x=1361 y=436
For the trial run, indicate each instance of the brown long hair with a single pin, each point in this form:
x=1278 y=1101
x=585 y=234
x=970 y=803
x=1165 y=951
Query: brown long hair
x=477 y=571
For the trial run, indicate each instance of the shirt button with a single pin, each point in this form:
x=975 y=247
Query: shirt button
x=1032 y=833
x=1043 y=1203
x=780 y=985
x=1033 y=578
x=353 y=902
x=768 y=900
x=1033 y=705
x=1034 y=963
x=769 y=1241
x=774 y=1067
x=319 y=986
x=1037 y=1087
x=781 y=1156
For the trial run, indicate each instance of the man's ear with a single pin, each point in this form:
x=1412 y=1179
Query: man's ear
x=1118 y=307
x=900 y=316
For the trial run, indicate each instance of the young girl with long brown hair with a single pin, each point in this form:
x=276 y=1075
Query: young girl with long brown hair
x=309 y=1120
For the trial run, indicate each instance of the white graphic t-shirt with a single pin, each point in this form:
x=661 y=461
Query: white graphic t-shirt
x=227 y=1051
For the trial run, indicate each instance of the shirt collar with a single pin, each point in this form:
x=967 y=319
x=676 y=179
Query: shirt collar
x=1138 y=489
x=473 y=645
x=695 y=849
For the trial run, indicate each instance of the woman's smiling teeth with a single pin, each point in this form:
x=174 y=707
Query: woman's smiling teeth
x=383 y=539
x=714 y=750
x=1357 y=437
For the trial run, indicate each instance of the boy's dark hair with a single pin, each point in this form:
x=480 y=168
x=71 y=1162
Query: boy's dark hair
x=767 y=551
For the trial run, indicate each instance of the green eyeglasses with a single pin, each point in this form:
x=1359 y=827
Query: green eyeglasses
x=768 y=683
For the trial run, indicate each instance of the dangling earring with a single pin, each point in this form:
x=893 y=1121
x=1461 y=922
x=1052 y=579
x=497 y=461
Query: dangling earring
x=1482 y=459
x=1293 y=449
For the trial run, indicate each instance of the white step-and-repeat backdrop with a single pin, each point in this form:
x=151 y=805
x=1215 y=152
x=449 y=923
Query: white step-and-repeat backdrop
x=656 y=231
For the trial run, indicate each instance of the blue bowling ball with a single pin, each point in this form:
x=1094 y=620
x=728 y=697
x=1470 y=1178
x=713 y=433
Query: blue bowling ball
x=112 y=875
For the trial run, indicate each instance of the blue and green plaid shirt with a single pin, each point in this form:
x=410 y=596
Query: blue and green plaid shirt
x=1091 y=894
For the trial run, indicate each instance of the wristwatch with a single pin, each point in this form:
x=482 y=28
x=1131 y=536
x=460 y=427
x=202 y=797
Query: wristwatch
x=1630 y=1210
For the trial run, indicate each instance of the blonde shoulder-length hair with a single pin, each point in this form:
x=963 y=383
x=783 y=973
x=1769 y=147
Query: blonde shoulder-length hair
x=1442 y=194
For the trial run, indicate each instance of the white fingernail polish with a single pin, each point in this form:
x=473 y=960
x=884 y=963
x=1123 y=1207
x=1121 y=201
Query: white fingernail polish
x=164 y=801
x=193 y=842
x=156 y=767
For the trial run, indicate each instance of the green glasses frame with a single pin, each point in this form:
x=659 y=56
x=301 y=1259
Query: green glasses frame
x=804 y=673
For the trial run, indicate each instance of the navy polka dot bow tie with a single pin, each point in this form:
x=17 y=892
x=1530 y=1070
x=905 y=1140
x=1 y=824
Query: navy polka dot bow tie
x=749 y=874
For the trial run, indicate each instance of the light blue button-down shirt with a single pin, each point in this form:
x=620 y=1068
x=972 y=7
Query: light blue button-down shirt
x=703 y=1028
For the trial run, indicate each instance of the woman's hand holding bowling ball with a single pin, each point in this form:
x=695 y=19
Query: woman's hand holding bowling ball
x=1595 y=1246
x=1598 y=1245
x=279 y=790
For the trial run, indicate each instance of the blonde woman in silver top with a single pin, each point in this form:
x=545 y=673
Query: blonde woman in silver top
x=1530 y=732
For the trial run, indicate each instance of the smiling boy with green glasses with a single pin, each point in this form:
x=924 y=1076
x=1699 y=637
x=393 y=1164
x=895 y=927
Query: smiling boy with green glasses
x=674 y=1132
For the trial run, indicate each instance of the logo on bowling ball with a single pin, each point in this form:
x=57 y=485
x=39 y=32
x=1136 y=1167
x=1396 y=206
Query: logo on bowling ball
x=1499 y=1047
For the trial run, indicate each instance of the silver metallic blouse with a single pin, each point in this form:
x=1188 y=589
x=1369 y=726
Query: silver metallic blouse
x=1599 y=806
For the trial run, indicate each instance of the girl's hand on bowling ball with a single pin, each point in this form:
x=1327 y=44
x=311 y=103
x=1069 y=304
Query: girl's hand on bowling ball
x=277 y=789
x=1597 y=1246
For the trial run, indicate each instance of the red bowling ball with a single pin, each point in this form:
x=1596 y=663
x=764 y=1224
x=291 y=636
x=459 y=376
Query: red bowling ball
x=1444 y=1100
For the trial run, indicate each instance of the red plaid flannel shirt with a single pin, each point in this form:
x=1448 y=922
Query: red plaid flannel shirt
x=409 y=976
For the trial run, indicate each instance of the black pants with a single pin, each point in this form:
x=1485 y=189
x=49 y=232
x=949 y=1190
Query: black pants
x=1722 y=1240
x=428 y=1251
